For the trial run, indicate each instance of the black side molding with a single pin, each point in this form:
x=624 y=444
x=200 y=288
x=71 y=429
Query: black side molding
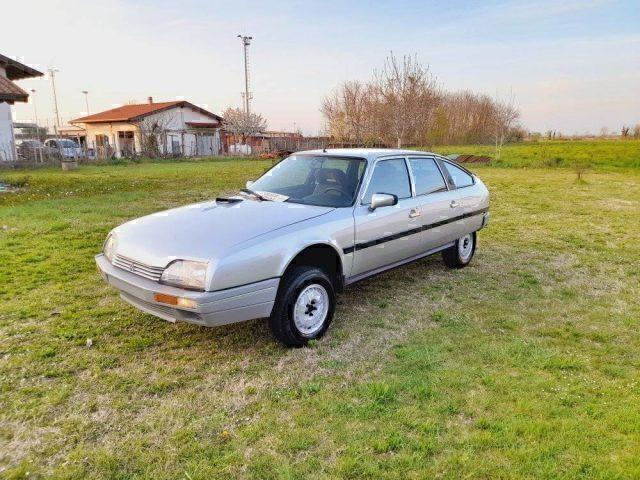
x=412 y=231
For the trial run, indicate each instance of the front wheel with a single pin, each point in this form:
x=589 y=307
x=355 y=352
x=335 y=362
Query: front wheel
x=304 y=307
x=461 y=253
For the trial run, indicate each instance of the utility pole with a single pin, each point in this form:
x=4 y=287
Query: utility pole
x=52 y=74
x=35 y=120
x=246 y=41
x=86 y=100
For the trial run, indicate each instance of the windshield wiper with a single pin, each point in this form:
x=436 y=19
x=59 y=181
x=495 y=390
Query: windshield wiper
x=255 y=194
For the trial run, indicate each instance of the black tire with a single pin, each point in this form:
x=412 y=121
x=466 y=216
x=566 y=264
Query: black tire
x=282 y=322
x=452 y=256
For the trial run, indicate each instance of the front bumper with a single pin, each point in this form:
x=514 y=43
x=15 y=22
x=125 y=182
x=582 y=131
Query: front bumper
x=485 y=219
x=221 y=307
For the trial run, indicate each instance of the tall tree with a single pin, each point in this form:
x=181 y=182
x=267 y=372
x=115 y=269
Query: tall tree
x=408 y=95
x=504 y=118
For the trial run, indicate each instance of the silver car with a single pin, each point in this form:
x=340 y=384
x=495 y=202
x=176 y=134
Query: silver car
x=66 y=148
x=316 y=222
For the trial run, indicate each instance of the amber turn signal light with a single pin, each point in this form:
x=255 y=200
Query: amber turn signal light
x=176 y=301
x=163 y=298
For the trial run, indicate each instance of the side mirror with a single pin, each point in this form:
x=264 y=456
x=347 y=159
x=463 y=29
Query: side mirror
x=382 y=200
x=248 y=184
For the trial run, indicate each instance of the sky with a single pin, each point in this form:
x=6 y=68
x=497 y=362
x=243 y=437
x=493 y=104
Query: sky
x=570 y=65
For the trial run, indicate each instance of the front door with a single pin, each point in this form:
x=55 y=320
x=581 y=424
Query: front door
x=388 y=234
x=204 y=144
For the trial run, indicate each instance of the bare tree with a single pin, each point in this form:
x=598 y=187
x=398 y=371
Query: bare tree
x=334 y=112
x=469 y=119
x=402 y=104
x=237 y=122
x=636 y=131
x=625 y=131
x=153 y=136
x=348 y=112
x=504 y=118
x=408 y=95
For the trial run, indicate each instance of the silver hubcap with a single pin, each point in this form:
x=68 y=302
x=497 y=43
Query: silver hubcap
x=310 y=310
x=465 y=247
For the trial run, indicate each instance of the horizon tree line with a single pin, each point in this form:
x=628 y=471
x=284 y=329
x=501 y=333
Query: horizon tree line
x=404 y=105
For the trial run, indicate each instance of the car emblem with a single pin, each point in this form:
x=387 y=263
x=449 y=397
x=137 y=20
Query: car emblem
x=132 y=268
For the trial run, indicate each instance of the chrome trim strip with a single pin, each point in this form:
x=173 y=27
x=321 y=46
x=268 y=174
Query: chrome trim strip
x=138 y=268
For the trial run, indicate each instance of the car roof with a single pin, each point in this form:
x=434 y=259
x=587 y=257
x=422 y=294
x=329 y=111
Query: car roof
x=367 y=153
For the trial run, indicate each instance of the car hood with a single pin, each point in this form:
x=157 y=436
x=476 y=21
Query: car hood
x=205 y=231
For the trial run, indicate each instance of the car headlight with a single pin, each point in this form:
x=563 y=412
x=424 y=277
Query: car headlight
x=185 y=274
x=109 y=248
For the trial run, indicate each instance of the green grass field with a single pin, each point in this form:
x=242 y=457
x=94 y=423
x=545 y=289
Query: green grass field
x=599 y=154
x=524 y=365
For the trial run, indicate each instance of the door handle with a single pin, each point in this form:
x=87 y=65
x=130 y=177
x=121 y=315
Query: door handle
x=453 y=204
x=414 y=213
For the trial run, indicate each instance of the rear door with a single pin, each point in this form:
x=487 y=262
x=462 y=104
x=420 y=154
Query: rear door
x=437 y=203
x=388 y=234
x=466 y=197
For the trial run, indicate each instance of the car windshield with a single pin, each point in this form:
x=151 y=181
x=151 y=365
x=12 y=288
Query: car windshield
x=68 y=143
x=314 y=180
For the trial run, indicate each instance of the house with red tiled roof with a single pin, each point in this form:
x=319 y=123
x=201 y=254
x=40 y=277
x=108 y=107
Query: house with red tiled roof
x=177 y=128
x=11 y=70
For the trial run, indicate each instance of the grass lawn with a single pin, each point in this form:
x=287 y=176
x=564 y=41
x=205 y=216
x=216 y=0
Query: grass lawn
x=601 y=154
x=523 y=365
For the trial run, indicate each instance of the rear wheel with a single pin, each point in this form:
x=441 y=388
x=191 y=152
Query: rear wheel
x=304 y=307
x=460 y=254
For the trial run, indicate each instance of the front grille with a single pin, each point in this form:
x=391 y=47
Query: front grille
x=137 y=268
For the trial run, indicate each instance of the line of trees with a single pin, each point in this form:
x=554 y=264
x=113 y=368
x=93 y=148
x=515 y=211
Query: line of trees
x=403 y=105
x=626 y=132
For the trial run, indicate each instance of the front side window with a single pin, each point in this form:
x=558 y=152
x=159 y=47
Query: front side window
x=459 y=176
x=314 y=180
x=389 y=176
x=426 y=176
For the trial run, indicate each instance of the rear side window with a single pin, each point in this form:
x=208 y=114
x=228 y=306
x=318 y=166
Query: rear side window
x=389 y=176
x=460 y=177
x=426 y=176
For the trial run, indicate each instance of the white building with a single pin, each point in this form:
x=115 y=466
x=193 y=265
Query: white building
x=173 y=128
x=10 y=93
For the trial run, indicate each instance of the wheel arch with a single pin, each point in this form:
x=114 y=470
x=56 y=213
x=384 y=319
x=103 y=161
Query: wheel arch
x=324 y=256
